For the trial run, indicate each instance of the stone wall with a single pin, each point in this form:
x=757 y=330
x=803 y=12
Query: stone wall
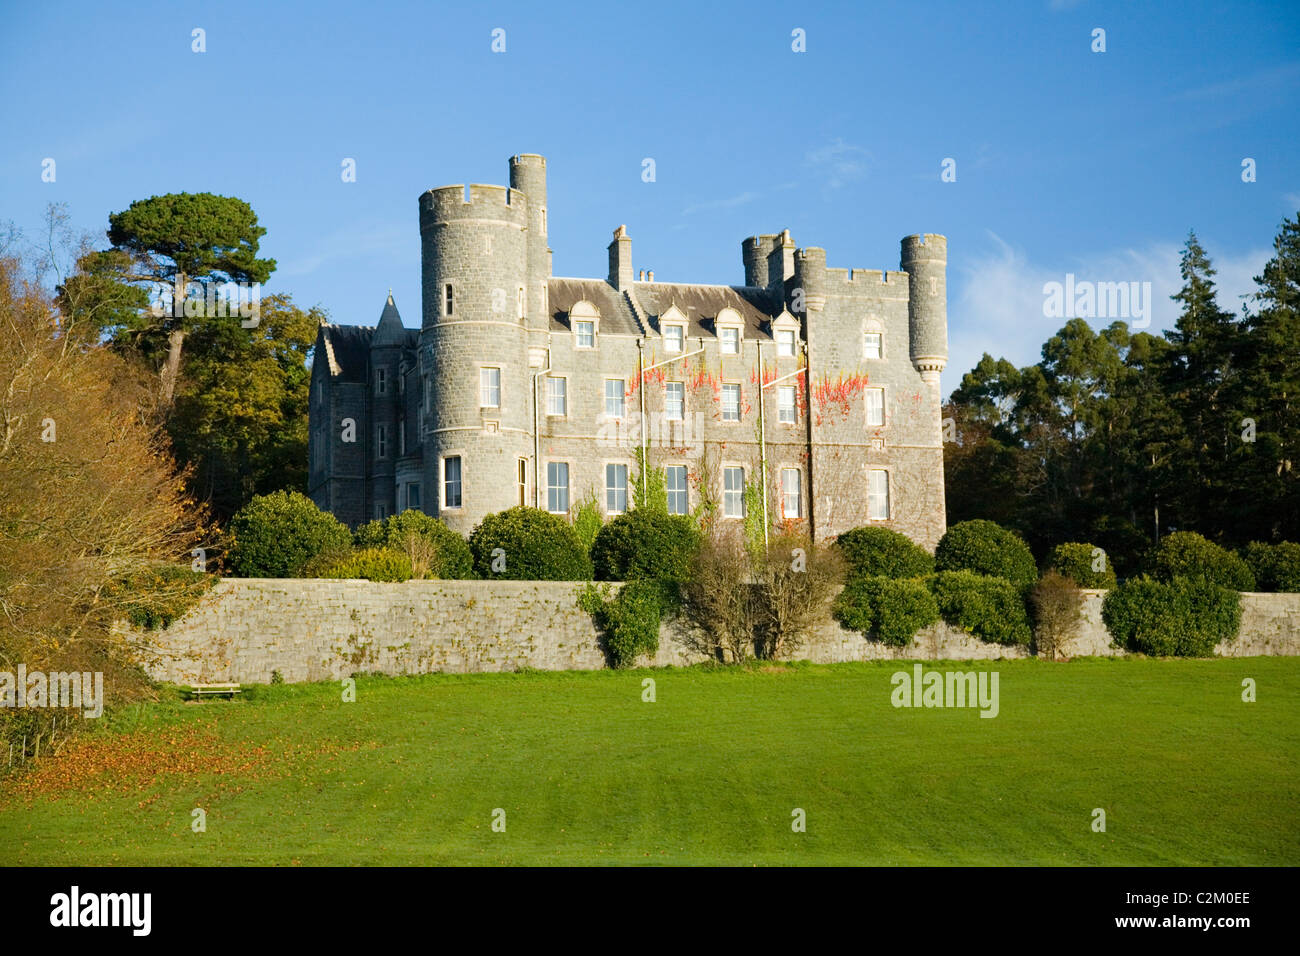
x=244 y=629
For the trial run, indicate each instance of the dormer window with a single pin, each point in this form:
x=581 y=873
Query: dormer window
x=674 y=337
x=728 y=325
x=584 y=319
x=785 y=343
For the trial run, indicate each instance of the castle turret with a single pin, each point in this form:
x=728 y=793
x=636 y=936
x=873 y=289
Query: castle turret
x=754 y=251
x=384 y=411
x=528 y=175
x=473 y=346
x=810 y=280
x=925 y=259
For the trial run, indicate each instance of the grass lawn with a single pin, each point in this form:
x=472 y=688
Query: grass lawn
x=709 y=773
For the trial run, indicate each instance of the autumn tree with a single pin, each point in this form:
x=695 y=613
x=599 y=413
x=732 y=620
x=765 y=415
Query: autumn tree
x=89 y=495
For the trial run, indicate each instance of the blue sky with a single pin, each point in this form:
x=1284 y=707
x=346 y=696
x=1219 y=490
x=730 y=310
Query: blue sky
x=1095 y=164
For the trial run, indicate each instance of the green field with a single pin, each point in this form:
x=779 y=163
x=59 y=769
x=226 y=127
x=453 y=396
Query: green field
x=711 y=772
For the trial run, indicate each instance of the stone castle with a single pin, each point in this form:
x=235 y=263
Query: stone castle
x=809 y=391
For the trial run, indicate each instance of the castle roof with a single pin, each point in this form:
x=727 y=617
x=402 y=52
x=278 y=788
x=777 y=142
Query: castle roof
x=390 y=331
x=699 y=303
x=346 y=348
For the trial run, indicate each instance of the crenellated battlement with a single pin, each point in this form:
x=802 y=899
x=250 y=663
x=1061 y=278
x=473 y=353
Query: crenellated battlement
x=486 y=201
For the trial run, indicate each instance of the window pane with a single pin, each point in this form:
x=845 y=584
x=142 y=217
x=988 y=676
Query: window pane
x=731 y=403
x=586 y=335
x=786 y=397
x=871 y=345
x=730 y=341
x=615 y=401
x=451 y=482
x=878 y=495
x=785 y=342
x=733 y=492
x=674 y=401
x=556 y=396
x=875 y=406
x=616 y=488
x=673 y=337
x=790 y=492
x=489 y=380
x=557 y=486
x=676 y=481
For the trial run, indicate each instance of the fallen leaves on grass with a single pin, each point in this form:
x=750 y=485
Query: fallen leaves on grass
x=134 y=762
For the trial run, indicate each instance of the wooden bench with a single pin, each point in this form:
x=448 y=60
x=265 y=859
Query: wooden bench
x=213 y=690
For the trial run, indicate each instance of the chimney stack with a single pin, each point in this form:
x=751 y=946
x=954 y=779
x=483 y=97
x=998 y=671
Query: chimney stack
x=620 y=260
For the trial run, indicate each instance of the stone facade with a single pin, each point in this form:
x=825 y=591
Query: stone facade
x=246 y=628
x=525 y=388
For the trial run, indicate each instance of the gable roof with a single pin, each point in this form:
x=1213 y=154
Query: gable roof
x=702 y=303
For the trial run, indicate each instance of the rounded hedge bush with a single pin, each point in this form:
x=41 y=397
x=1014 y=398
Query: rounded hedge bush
x=434 y=549
x=645 y=544
x=1077 y=561
x=1276 y=566
x=1186 y=554
x=629 y=622
x=276 y=535
x=991 y=608
x=1185 y=617
x=872 y=551
x=536 y=546
x=372 y=564
x=890 y=609
x=984 y=547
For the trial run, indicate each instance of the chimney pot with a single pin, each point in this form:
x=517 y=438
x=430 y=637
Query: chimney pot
x=650 y=276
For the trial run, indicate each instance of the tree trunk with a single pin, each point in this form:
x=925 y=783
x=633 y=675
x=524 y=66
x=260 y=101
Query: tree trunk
x=175 y=340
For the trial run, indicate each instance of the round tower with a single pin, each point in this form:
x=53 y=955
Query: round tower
x=754 y=252
x=925 y=259
x=473 y=350
x=528 y=176
x=810 y=276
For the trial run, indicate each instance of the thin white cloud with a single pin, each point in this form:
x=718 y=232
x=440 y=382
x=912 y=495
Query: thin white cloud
x=714 y=204
x=349 y=246
x=997 y=303
x=838 y=163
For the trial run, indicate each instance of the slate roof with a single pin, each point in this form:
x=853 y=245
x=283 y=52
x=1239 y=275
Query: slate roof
x=702 y=303
x=699 y=303
x=346 y=348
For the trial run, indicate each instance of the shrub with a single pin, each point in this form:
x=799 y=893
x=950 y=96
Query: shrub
x=793 y=583
x=991 y=608
x=1188 y=555
x=988 y=549
x=154 y=597
x=872 y=551
x=536 y=546
x=1078 y=561
x=645 y=544
x=628 y=622
x=434 y=550
x=276 y=535
x=889 y=609
x=1056 y=609
x=1276 y=566
x=372 y=564
x=587 y=520
x=717 y=616
x=1185 y=617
